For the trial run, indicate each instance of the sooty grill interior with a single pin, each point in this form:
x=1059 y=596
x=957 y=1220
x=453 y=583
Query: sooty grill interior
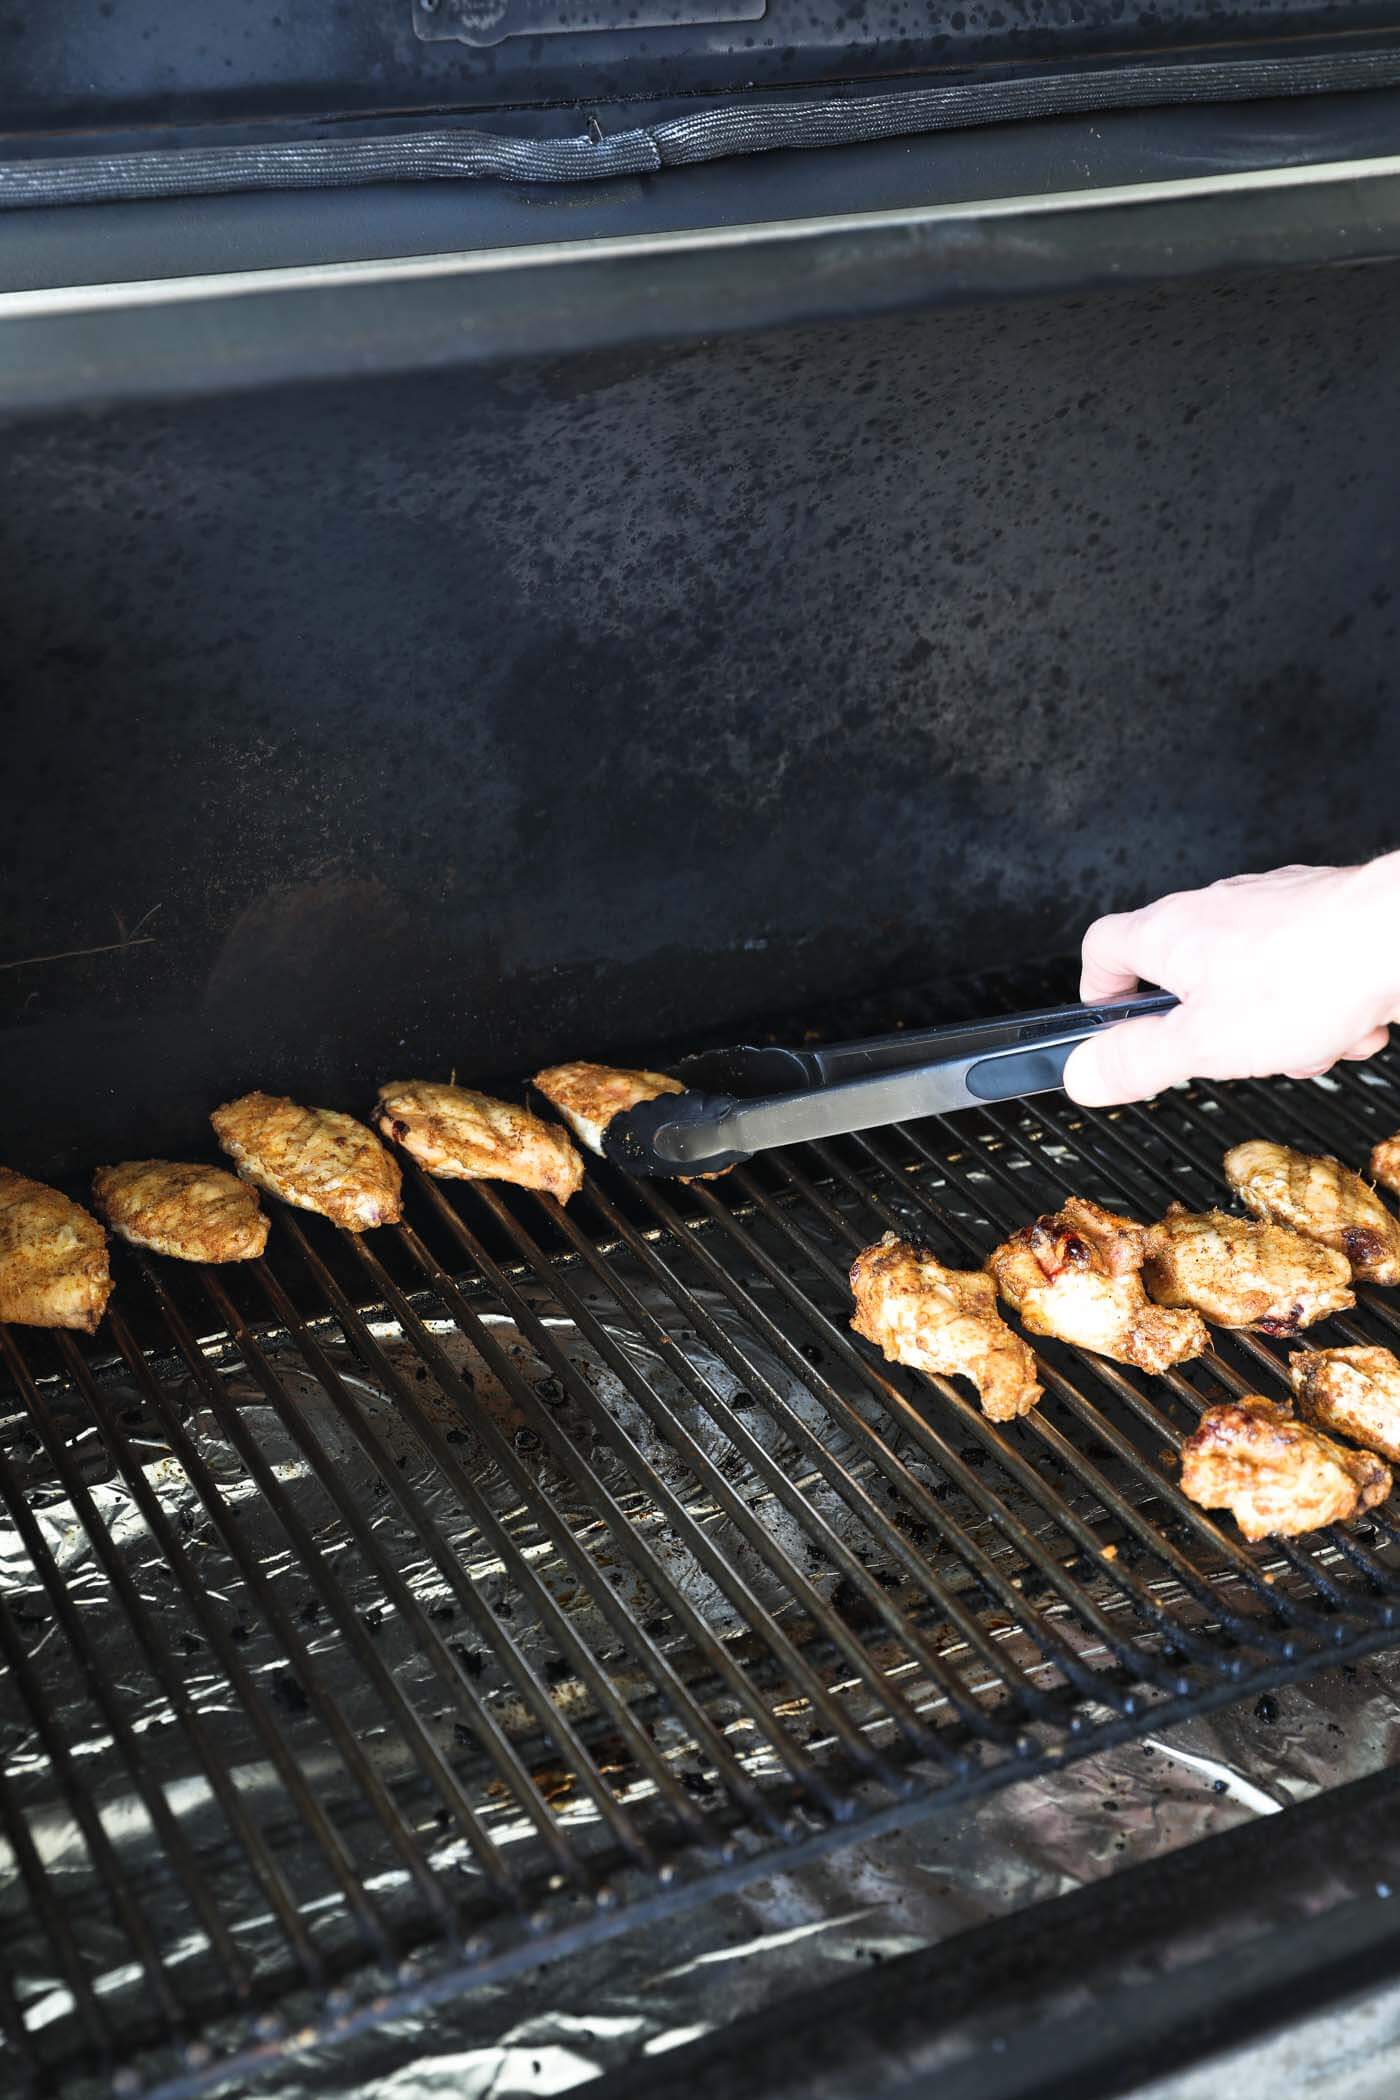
x=394 y=1613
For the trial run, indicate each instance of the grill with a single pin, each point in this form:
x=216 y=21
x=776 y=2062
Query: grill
x=513 y=1576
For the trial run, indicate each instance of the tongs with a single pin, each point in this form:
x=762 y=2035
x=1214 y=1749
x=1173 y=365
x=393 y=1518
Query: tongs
x=749 y=1099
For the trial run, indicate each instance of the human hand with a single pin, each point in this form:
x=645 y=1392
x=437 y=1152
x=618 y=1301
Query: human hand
x=1285 y=972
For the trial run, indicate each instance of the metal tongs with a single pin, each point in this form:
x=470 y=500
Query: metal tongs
x=749 y=1099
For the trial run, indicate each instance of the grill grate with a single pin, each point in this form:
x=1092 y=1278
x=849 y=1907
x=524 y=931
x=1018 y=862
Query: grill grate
x=391 y=1613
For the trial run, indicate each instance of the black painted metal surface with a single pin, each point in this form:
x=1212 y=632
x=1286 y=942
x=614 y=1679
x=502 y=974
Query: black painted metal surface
x=566 y=706
x=137 y=63
x=416 y=1688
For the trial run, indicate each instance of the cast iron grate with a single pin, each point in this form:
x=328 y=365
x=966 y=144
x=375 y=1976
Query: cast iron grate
x=390 y=1614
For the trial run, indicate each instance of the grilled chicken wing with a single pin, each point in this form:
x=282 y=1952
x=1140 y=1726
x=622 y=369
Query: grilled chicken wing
x=1320 y=1198
x=1276 y=1476
x=589 y=1096
x=1242 y=1273
x=316 y=1158
x=1354 y=1391
x=53 y=1258
x=1076 y=1275
x=463 y=1136
x=1385 y=1163
x=937 y=1319
x=194 y=1213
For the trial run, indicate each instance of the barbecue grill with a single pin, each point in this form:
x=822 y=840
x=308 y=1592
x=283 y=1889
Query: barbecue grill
x=455 y=624
x=642 y=1570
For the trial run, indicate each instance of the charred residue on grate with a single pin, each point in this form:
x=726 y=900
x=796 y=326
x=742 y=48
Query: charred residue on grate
x=436 y=1596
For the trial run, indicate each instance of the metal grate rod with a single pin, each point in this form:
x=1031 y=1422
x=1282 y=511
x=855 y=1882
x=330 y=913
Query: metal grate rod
x=780 y=1739
x=765 y=1468
x=164 y=1673
x=692 y=1715
x=332 y=1845
x=702 y=1469
x=426 y=1637
x=983 y=1570
x=266 y=1866
x=425 y=1751
x=853 y=1493
x=534 y=1496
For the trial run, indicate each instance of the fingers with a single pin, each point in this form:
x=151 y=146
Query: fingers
x=1369 y=1044
x=1129 y=1061
x=1108 y=966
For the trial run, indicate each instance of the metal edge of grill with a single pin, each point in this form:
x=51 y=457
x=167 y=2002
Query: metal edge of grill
x=972 y=1601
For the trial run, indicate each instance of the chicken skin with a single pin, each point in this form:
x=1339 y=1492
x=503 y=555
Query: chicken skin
x=193 y=1213
x=315 y=1158
x=1320 y=1198
x=1076 y=1275
x=1356 y=1392
x=462 y=1136
x=1242 y=1273
x=589 y=1096
x=53 y=1258
x=1276 y=1476
x=936 y=1319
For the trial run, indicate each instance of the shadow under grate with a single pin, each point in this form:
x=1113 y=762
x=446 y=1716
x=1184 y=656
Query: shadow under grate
x=392 y=1612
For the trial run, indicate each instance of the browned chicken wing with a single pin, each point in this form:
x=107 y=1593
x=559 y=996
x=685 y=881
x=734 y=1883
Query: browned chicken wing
x=1320 y=1198
x=316 y=1158
x=1076 y=1275
x=1276 y=1476
x=462 y=1136
x=1385 y=1163
x=936 y=1319
x=194 y=1213
x=1240 y=1272
x=1354 y=1391
x=53 y=1258
x=589 y=1096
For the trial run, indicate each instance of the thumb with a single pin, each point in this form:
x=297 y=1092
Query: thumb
x=1129 y=1061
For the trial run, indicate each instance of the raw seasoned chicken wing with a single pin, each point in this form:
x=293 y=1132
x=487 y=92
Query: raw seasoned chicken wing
x=1240 y=1272
x=195 y=1213
x=1320 y=1198
x=1353 y=1391
x=1275 y=1475
x=317 y=1158
x=53 y=1258
x=1076 y=1275
x=937 y=1319
x=463 y=1136
x=589 y=1096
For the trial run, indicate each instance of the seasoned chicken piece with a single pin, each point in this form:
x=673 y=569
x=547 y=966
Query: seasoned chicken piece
x=1276 y=1476
x=463 y=1136
x=1242 y=1273
x=1320 y=1198
x=316 y=1158
x=194 y=1213
x=1354 y=1391
x=589 y=1096
x=1076 y=1275
x=937 y=1319
x=1385 y=1163
x=53 y=1258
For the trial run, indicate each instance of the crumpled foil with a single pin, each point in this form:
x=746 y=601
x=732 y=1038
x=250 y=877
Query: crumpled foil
x=557 y=2025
